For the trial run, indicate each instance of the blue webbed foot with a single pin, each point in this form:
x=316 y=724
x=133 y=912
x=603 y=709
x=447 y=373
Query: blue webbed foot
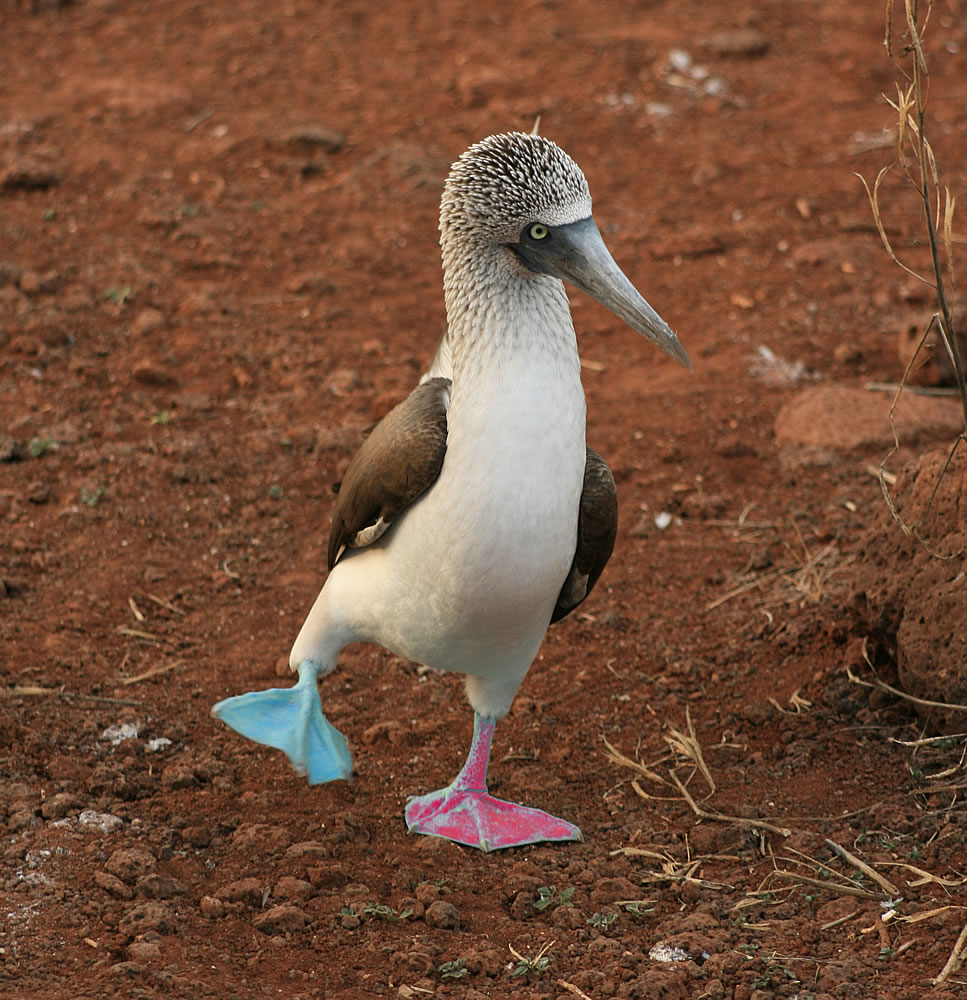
x=291 y=720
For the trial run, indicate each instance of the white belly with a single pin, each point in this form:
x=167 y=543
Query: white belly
x=467 y=578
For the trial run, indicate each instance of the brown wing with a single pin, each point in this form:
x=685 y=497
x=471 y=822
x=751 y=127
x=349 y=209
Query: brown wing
x=396 y=463
x=597 y=529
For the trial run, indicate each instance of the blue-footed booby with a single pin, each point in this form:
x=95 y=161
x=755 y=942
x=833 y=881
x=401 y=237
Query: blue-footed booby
x=474 y=515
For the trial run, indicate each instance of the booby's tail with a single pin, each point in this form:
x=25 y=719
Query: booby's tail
x=291 y=720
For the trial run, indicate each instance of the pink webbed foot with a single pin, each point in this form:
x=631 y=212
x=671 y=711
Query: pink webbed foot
x=464 y=813
x=472 y=817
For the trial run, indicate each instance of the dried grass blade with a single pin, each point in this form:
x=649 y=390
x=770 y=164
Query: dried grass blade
x=880 y=880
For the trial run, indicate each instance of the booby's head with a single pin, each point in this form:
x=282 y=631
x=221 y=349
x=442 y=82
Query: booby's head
x=518 y=201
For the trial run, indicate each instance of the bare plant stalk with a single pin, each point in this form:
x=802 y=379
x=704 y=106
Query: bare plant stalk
x=911 y=120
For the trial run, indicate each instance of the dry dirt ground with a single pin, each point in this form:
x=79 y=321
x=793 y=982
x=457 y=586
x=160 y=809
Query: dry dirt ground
x=218 y=267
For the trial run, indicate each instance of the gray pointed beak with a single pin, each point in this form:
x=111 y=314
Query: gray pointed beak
x=576 y=253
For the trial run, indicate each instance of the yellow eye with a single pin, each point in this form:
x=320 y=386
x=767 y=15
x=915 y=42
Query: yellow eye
x=538 y=231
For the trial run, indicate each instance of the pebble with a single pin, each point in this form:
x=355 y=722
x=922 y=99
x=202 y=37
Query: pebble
x=745 y=43
x=178 y=776
x=197 y=836
x=442 y=915
x=147 y=917
x=147 y=321
x=58 y=806
x=211 y=907
x=292 y=888
x=28 y=172
x=144 y=951
x=156 y=886
x=283 y=919
x=32 y=283
x=261 y=838
x=129 y=863
x=306 y=849
x=609 y=890
x=246 y=890
x=112 y=885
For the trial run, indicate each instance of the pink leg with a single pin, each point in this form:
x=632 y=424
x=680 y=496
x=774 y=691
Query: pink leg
x=463 y=811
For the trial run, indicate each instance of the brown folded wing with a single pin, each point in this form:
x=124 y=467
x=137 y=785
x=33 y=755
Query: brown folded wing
x=400 y=460
x=597 y=528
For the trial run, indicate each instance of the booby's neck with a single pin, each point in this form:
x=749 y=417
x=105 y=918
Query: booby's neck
x=501 y=317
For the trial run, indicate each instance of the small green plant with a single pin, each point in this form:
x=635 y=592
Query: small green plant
x=119 y=294
x=348 y=911
x=453 y=970
x=772 y=969
x=532 y=967
x=40 y=445
x=886 y=953
x=603 y=921
x=162 y=418
x=638 y=909
x=548 y=896
x=91 y=498
x=275 y=492
x=385 y=912
x=50 y=214
x=188 y=211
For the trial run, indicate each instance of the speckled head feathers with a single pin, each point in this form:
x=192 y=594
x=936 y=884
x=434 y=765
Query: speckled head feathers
x=506 y=181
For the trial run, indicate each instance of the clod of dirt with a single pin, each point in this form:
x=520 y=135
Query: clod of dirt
x=443 y=915
x=129 y=864
x=282 y=919
x=60 y=805
x=745 y=43
x=910 y=594
x=147 y=917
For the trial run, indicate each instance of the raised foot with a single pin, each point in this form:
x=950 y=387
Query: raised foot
x=474 y=818
x=291 y=720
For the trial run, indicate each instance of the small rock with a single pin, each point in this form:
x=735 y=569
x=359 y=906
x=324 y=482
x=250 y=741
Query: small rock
x=246 y=890
x=328 y=139
x=609 y=890
x=147 y=321
x=105 y=822
x=32 y=283
x=744 y=43
x=156 y=886
x=28 y=172
x=147 y=917
x=211 y=907
x=568 y=918
x=443 y=915
x=261 y=837
x=426 y=893
x=129 y=864
x=127 y=970
x=305 y=850
x=21 y=819
x=310 y=282
x=178 y=776
x=144 y=951
x=283 y=919
x=58 y=806
x=39 y=493
x=149 y=372
x=522 y=907
x=9 y=449
x=112 y=885
x=292 y=888
x=380 y=731
x=9 y=273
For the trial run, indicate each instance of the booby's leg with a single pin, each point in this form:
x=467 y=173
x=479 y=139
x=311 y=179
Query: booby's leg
x=463 y=811
x=291 y=719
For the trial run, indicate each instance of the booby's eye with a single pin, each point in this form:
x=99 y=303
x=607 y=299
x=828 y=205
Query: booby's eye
x=538 y=231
